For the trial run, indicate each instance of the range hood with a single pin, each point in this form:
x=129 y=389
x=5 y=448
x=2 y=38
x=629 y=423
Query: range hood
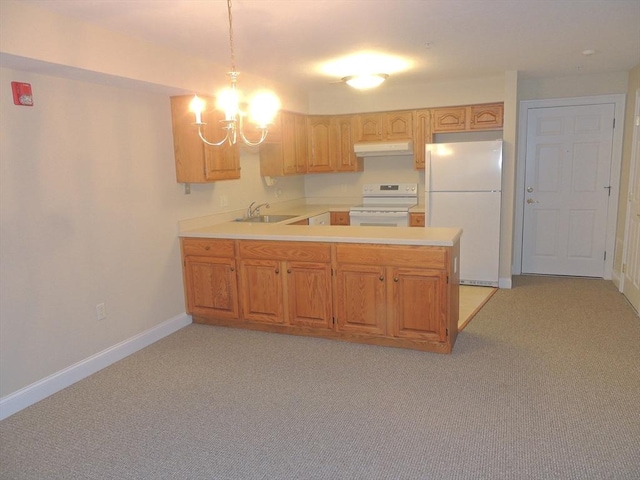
x=383 y=149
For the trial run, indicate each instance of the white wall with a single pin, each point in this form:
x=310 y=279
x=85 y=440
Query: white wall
x=89 y=208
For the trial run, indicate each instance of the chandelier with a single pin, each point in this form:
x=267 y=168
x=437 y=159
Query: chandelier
x=262 y=108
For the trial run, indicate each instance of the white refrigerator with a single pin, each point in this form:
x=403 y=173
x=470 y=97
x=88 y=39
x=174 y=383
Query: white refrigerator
x=463 y=183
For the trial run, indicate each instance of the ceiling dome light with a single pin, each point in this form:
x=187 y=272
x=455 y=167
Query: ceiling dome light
x=365 y=81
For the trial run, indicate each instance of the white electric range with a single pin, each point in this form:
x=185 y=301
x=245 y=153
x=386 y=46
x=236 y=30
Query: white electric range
x=385 y=205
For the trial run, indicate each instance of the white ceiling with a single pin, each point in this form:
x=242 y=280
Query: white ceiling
x=287 y=40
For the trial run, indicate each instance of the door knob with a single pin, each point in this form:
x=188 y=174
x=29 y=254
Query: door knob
x=531 y=200
x=529 y=189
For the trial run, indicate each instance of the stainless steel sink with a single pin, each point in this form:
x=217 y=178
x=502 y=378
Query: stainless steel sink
x=266 y=218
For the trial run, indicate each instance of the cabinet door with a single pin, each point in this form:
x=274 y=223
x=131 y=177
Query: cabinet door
x=421 y=136
x=319 y=144
x=302 y=147
x=342 y=140
x=449 y=119
x=212 y=287
x=486 y=117
x=360 y=299
x=418 y=303
x=195 y=161
x=369 y=127
x=288 y=126
x=398 y=126
x=261 y=291
x=308 y=287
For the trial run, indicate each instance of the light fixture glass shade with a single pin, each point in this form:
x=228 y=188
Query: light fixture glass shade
x=365 y=81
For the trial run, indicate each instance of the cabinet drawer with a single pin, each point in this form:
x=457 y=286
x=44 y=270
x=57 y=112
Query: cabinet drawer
x=206 y=247
x=340 y=218
x=301 y=251
x=416 y=219
x=392 y=255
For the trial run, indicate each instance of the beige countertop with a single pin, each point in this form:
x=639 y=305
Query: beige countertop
x=324 y=233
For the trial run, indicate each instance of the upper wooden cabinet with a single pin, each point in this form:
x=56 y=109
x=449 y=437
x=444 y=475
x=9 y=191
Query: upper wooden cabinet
x=331 y=139
x=319 y=131
x=342 y=139
x=285 y=149
x=467 y=118
x=195 y=161
x=421 y=136
x=373 y=127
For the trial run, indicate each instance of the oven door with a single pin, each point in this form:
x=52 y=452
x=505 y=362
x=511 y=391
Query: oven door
x=378 y=219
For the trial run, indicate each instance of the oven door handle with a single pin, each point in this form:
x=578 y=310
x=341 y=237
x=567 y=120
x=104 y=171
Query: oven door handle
x=378 y=214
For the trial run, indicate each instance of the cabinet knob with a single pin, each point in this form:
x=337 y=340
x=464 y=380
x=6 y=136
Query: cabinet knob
x=382 y=278
x=396 y=279
x=207 y=247
x=233 y=269
x=288 y=270
x=277 y=271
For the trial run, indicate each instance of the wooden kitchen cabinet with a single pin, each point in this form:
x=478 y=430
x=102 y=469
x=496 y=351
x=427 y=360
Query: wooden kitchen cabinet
x=398 y=292
x=195 y=161
x=331 y=140
x=285 y=149
x=340 y=218
x=467 y=118
x=421 y=136
x=211 y=286
x=320 y=147
x=416 y=219
x=342 y=139
x=395 y=295
x=287 y=283
x=361 y=299
x=383 y=126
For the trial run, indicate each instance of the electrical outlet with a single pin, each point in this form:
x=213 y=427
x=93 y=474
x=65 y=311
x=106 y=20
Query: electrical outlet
x=101 y=311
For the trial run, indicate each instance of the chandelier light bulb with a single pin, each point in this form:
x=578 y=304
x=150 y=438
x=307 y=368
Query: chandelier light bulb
x=263 y=108
x=197 y=106
x=228 y=101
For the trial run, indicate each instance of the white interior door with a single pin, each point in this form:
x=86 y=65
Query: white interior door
x=631 y=256
x=567 y=175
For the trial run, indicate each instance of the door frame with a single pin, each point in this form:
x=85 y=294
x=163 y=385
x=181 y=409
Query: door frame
x=633 y=166
x=616 y=161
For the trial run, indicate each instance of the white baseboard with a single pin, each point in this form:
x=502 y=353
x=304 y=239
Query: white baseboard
x=504 y=282
x=41 y=389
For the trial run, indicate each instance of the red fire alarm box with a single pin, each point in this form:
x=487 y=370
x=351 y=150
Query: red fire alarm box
x=22 y=94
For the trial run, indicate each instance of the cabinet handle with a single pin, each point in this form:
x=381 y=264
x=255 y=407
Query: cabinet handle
x=382 y=278
x=233 y=269
x=277 y=271
x=207 y=247
x=396 y=279
x=288 y=270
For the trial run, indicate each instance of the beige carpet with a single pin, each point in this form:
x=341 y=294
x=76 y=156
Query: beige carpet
x=542 y=385
x=472 y=299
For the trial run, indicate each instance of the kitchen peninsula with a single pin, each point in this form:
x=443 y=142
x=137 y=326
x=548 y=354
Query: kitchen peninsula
x=385 y=286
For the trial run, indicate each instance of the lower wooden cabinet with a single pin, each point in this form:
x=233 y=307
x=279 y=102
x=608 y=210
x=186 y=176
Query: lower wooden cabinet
x=380 y=291
x=416 y=219
x=361 y=299
x=340 y=218
x=211 y=287
x=393 y=295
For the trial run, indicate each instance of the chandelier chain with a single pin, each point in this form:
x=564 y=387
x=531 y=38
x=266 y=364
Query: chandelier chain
x=233 y=56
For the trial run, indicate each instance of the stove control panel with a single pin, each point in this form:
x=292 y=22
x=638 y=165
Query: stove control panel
x=390 y=189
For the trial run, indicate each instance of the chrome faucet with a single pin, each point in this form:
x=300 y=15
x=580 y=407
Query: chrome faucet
x=255 y=211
